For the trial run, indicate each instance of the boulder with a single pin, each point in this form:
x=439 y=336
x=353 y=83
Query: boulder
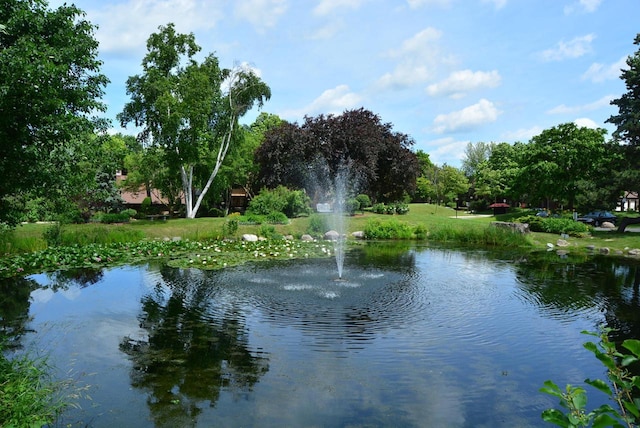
x=604 y=250
x=562 y=243
x=249 y=237
x=634 y=252
x=358 y=234
x=607 y=225
x=331 y=235
x=307 y=238
x=516 y=227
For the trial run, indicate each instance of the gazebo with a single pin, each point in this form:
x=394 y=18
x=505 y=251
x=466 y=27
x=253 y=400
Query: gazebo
x=499 y=208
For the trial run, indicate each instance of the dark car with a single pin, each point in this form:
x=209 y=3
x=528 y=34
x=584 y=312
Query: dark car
x=596 y=218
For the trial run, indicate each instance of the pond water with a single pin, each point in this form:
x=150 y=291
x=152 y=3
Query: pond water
x=412 y=336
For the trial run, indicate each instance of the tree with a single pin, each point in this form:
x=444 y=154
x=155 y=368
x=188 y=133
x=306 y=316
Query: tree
x=474 y=156
x=380 y=162
x=627 y=123
x=495 y=176
x=50 y=86
x=555 y=163
x=627 y=120
x=189 y=109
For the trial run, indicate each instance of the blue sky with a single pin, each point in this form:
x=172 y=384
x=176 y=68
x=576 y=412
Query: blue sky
x=445 y=72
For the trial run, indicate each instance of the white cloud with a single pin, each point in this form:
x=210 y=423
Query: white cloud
x=563 y=109
x=471 y=117
x=522 y=134
x=415 y=4
x=585 y=122
x=125 y=27
x=499 y=4
x=261 y=14
x=598 y=72
x=587 y=6
x=574 y=48
x=325 y=7
x=417 y=58
x=331 y=101
x=328 y=31
x=460 y=82
x=446 y=150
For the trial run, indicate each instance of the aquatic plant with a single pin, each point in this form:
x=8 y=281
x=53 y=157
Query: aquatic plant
x=623 y=387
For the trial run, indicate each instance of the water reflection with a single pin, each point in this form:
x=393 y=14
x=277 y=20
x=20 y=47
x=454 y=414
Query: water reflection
x=194 y=347
x=605 y=285
x=413 y=336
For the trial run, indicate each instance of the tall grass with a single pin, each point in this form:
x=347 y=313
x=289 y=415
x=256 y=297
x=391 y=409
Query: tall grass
x=483 y=235
x=28 y=397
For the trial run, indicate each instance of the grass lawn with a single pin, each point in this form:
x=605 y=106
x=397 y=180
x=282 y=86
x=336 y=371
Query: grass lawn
x=29 y=237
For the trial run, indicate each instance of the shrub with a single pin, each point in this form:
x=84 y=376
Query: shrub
x=401 y=208
x=351 y=206
x=554 y=225
x=388 y=229
x=421 y=232
x=268 y=231
x=292 y=203
x=145 y=207
x=277 y=217
x=378 y=208
x=364 y=200
x=230 y=227
x=53 y=234
x=318 y=224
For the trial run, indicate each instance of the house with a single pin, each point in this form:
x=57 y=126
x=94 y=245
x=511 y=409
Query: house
x=629 y=202
x=134 y=199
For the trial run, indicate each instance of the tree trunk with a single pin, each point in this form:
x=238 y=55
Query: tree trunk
x=626 y=222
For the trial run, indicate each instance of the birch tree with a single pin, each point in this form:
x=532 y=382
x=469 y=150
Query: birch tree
x=189 y=109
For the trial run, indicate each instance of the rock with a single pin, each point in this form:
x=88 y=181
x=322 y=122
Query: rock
x=607 y=225
x=591 y=247
x=516 y=227
x=288 y=237
x=307 y=238
x=249 y=237
x=562 y=243
x=634 y=252
x=358 y=234
x=331 y=235
x=550 y=245
x=604 y=250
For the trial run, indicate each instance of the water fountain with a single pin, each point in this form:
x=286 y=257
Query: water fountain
x=338 y=220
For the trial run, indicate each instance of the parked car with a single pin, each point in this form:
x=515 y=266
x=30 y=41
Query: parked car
x=596 y=218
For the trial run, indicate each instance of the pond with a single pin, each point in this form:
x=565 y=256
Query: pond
x=412 y=336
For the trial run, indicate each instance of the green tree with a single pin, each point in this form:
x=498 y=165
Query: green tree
x=556 y=163
x=627 y=123
x=189 y=109
x=495 y=176
x=50 y=88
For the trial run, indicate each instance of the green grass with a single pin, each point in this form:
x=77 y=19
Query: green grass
x=440 y=223
x=28 y=397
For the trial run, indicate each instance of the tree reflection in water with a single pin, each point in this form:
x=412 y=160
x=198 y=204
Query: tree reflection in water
x=607 y=284
x=195 y=347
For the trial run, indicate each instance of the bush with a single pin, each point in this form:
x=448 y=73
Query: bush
x=351 y=206
x=388 y=229
x=269 y=232
x=364 y=200
x=145 y=207
x=378 y=208
x=293 y=203
x=421 y=232
x=554 y=225
x=277 y=217
x=318 y=224
x=230 y=227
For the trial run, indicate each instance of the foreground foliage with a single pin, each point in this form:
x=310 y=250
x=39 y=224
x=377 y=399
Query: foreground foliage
x=28 y=398
x=623 y=387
